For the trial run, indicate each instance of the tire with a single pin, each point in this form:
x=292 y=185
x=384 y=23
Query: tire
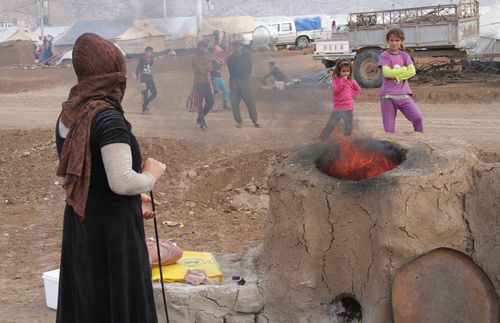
x=303 y=42
x=365 y=69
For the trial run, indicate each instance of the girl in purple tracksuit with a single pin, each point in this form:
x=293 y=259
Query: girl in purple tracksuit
x=395 y=94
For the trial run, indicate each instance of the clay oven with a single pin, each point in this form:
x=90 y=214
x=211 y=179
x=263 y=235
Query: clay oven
x=333 y=246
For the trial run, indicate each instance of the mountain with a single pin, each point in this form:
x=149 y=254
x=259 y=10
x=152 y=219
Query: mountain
x=65 y=12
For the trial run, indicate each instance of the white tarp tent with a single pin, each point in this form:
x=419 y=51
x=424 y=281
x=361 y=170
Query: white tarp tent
x=489 y=32
x=129 y=34
x=181 y=32
x=16 y=33
x=52 y=31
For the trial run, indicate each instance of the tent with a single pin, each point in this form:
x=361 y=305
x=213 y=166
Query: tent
x=181 y=32
x=129 y=34
x=16 y=52
x=489 y=34
x=16 y=46
x=52 y=31
x=16 y=33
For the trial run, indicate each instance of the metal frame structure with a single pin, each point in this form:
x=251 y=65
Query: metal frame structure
x=420 y=15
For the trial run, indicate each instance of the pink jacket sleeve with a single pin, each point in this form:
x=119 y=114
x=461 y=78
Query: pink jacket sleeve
x=355 y=88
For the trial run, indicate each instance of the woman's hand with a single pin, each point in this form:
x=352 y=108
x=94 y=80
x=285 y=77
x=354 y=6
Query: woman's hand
x=154 y=167
x=147 y=213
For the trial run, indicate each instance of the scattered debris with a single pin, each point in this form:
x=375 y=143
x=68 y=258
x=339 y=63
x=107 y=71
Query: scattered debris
x=439 y=72
x=173 y=224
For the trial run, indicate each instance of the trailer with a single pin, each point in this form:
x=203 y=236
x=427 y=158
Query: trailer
x=444 y=30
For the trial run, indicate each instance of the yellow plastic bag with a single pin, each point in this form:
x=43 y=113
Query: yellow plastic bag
x=190 y=260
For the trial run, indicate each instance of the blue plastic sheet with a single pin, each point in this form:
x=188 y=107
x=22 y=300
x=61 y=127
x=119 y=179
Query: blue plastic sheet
x=312 y=23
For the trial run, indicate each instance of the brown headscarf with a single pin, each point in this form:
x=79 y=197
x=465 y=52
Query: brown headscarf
x=101 y=71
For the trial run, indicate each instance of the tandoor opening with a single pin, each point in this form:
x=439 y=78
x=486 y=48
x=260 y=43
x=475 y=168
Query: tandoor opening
x=359 y=159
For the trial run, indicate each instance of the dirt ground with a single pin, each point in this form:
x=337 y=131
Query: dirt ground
x=216 y=181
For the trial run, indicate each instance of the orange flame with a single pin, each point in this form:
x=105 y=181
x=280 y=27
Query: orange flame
x=356 y=163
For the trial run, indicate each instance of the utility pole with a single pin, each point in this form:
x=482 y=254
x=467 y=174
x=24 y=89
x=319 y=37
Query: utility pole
x=164 y=8
x=40 y=11
x=199 y=21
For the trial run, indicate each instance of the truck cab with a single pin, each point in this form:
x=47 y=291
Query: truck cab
x=286 y=32
x=299 y=31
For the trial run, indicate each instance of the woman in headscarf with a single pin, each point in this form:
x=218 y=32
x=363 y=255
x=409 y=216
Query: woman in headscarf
x=105 y=273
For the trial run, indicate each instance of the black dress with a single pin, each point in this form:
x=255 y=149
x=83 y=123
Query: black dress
x=105 y=274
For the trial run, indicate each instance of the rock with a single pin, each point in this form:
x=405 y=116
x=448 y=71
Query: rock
x=240 y=318
x=200 y=304
x=233 y=207
x=443 y=285
x=261 y=318
x=207 y=317
x=228 y=187
x=251 y=188
x=191 y=173
x=206 y=166
x=249 y=300
x=237 y=190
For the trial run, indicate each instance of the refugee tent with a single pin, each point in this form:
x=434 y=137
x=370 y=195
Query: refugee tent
x=16 y=52
x=236 y=27
x=181 y=32
x=16 y=46
x=489 y=32
x=52 y=31
x=16 y=33
x=128 y=33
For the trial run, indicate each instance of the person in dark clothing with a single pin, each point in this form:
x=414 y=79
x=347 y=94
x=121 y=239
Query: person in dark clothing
x=105 y=274
x=239 y=64
x=276 y=73
x=201 y=71
x=144 y=75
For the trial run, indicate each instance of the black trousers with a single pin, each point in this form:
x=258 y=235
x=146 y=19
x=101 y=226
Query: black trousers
x=335 y=118
x=149 y=94
x=206 y=100
x=241 y=89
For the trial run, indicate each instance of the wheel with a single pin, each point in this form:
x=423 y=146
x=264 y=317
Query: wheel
x=303 y=42
x=365 y=69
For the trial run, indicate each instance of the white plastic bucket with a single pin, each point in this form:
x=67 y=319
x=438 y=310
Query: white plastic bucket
x=51 y=283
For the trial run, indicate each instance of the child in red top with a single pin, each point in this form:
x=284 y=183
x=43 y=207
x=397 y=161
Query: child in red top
x=344 y=89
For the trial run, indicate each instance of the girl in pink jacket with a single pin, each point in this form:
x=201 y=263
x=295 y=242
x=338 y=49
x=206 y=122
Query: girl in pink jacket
x=344 y=89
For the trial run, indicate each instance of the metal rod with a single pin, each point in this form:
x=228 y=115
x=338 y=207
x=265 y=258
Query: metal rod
x=199 y=21
x=41 y=20
x=159 y=256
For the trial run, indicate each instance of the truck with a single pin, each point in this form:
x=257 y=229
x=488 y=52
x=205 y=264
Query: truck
x=299 y=31
x=450 y=30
